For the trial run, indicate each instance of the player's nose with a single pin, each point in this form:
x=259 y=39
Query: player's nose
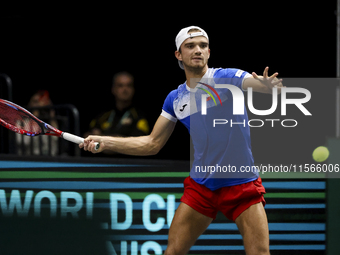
x=198 y=50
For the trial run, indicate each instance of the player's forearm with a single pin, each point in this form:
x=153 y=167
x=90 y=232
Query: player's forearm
x=138 y=146
x=141 y=145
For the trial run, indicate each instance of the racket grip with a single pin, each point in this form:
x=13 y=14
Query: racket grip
x=76 y=139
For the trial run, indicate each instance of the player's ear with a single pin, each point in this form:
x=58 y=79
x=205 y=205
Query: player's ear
x=209 y=53
x=178 y=55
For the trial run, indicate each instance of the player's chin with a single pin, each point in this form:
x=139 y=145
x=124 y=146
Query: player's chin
x=194 y=66
x=197 y=65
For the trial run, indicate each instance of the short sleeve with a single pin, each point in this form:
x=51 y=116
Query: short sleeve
x=168 y=108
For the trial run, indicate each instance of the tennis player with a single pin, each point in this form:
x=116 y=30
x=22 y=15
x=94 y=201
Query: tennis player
x=239 y=198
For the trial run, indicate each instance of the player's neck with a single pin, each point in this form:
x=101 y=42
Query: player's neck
x=193 y=76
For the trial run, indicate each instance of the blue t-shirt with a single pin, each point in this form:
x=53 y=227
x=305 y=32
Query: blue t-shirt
x=221 y=139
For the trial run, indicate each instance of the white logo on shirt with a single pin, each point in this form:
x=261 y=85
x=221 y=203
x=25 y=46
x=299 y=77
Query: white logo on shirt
x=239 y=73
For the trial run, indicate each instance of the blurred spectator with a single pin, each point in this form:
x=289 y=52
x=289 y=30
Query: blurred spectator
x=40 y=145
x=124 y=119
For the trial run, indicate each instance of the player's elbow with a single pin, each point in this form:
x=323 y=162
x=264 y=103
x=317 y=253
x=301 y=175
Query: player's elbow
x=154 y=147
x=153 y=152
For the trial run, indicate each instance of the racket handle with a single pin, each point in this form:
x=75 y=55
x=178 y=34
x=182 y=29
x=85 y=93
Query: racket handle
x=76 y=139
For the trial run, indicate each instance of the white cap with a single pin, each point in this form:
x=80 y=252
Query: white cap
x=183 y=35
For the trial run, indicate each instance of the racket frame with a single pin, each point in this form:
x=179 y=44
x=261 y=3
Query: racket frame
x=46 y=129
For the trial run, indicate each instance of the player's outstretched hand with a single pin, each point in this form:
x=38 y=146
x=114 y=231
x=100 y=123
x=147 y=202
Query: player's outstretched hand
x=269 y=82
x=89 y=144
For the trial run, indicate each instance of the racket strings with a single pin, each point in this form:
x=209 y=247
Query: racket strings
x=19 y=120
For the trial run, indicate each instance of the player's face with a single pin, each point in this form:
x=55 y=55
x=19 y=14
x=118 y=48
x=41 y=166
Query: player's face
x=195 y=52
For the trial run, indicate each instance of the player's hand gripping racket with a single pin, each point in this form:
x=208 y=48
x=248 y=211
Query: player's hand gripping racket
x=21 y=121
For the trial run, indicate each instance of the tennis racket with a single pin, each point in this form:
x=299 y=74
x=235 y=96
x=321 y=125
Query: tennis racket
x=21 y=121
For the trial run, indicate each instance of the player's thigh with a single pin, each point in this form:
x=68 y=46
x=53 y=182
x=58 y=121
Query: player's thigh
x=187 y=225
x=253 y=226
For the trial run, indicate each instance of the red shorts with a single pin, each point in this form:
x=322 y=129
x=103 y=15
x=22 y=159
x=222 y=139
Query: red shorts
x=231 y=201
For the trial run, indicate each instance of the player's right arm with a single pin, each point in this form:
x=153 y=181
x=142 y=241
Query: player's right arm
x=139 y=146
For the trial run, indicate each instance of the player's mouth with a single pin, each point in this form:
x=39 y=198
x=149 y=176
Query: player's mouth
x=197 y=58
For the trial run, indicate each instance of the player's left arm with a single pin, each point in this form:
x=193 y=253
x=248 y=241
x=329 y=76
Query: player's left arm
x=263 y=84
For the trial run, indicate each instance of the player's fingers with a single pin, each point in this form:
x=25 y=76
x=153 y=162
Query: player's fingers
x=88 y=147
x=265 y=72
x=91 y=142
x=88 y=139
x=93 y=146
x=93 y=150
x=93 y=138
x=255 y=75
x=273 y=76
x=87 y=144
